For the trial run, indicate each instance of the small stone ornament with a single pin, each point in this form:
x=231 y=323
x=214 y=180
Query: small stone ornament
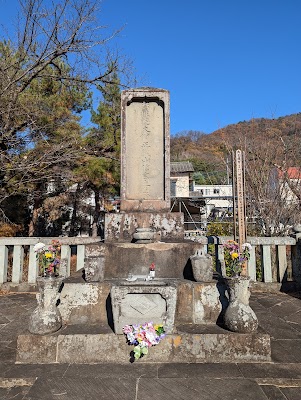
x=202 y=267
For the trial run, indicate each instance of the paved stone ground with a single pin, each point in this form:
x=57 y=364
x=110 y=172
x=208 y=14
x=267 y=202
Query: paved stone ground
x=279 y=315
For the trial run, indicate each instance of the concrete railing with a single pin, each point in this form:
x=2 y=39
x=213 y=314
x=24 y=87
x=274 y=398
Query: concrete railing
x=15 y=247
x=272 y=258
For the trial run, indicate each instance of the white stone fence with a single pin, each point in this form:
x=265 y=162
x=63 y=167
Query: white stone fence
x=17 y=245
x=275 y=257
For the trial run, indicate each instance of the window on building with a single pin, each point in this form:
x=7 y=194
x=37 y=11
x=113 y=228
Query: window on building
x=173 y=186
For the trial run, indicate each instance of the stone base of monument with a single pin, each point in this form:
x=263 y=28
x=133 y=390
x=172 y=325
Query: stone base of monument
x=176 y=301
x=88 y=336
x=166 y=226
x=175 y=348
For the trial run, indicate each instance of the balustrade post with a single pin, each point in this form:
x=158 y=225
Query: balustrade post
x=33 y=268
x=80 y=257
x=66 y=254
x=220 y=260
x=3 y=263
x=267 y=263
x=296 y=255
x=252 y=264
x=282 y=261
x=18 y=260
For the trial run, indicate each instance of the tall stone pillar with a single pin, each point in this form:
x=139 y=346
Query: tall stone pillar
x=145 y=151
x=145 y=170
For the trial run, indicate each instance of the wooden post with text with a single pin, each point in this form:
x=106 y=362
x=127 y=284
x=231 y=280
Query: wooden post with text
x=239 y=203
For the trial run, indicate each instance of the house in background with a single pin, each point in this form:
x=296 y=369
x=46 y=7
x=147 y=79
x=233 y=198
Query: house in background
x=198 y=202
x=180 y=178
x=218 y=199
x=286 y=184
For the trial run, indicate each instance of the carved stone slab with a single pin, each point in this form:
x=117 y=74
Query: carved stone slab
x=149 y=302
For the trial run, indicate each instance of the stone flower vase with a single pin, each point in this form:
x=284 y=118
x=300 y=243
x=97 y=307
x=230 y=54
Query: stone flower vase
x=201 y=266
x=239 y=316
x=46 y=318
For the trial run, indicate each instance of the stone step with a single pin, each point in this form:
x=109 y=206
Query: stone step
x=79 y=348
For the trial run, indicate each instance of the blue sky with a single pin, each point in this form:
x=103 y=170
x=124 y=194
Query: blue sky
x=223 y=61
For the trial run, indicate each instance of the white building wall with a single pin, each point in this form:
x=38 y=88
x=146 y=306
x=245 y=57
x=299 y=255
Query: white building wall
x=180 y=186
x=215 y=194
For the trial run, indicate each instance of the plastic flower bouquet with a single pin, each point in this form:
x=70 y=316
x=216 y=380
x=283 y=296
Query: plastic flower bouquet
x=143 y=337
x=48 y=258
x=234 y=258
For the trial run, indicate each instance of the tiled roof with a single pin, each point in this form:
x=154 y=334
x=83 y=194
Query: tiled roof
x=291 y=173
x=181 y=166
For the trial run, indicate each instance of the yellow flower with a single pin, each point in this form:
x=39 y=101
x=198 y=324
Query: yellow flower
x=234 y=255
x=48 y=255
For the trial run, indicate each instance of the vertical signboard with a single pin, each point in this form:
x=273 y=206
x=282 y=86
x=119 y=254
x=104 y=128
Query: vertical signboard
x=241 y=217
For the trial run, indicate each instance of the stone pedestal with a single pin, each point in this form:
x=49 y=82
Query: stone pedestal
x=166 y=226
x=239 y=316
x=46 y=318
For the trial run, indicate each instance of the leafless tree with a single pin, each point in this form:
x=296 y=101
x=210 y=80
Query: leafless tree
x=273 y=198
x=60 y=50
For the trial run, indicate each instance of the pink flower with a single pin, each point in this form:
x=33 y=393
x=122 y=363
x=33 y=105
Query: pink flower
x=127 y=329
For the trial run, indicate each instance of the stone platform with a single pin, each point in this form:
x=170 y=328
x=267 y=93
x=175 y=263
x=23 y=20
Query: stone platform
x=93 y=315
x=278 y=314
x=110 y=348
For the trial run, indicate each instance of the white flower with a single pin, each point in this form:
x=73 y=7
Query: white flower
x=246 y=246
x=37 y=248
x=151 y=337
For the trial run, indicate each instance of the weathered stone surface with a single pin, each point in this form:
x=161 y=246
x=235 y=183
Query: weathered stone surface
x=239 y=316
x=206 y=302
x=144 y=235
x=145 y=171
x=202 y=266
x=171 y=259
x=37 y=349
x=139 y=304
x=82 y=303
x=78 y=388
x=94 y=250
x=46 y=318
x=94 y=269
x=165 y=225
x=111 y=348
x=184 y=303
x=92 y=348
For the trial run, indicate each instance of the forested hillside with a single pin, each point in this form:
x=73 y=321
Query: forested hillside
x=269 y=145
x=210 y=152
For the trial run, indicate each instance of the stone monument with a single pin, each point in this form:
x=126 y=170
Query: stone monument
x=142 y=272
x=145 y=171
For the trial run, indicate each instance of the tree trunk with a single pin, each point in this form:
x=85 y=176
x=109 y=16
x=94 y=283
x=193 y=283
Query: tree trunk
x=72 y=231
x=33 y=224
x=96 y=214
